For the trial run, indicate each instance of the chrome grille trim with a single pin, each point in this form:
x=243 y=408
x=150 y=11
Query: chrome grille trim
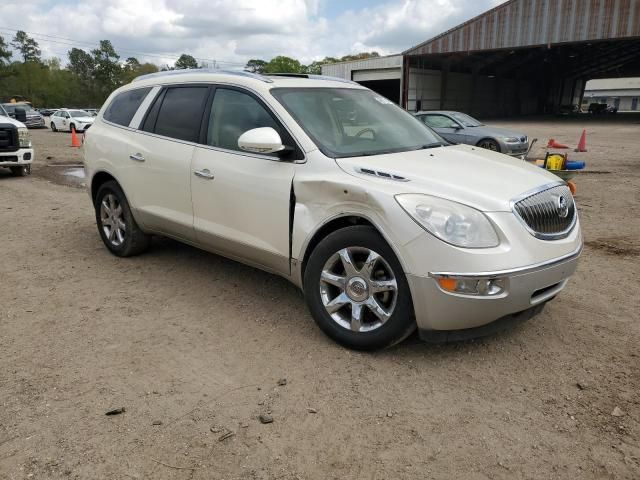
x=538 y=211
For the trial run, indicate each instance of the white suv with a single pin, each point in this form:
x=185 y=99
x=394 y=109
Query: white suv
x=328 y=184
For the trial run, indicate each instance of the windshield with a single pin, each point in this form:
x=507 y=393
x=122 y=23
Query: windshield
x=348 y=122
x=78 y=113
x=465 y=119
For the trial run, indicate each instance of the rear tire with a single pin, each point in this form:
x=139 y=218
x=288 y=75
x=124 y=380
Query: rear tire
x=116 y=225
x=53 y=127
x=21 y=171
x=356 y=290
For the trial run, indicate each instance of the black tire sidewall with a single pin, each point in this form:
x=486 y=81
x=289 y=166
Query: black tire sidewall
x=400 y=324
x=492 y=141
x=126 y=247
x=53 y=127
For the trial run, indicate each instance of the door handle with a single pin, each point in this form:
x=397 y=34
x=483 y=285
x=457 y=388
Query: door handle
x=136 y=157
x=206 y=174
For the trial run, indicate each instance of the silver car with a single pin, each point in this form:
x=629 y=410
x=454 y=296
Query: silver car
x=457 y=127
x=34 y=118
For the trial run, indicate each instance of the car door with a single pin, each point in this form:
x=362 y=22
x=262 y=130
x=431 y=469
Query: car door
x=159 y=160
x=446 y=126
x=241 y=200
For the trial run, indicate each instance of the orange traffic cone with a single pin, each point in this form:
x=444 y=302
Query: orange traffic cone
x=553 y=144
x=582 y=143
x=74 y=138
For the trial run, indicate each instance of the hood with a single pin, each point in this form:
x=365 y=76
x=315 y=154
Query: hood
x=474 y=176
x=85 y=119
x=33 y=113
x=11 y=121
x=496 y=132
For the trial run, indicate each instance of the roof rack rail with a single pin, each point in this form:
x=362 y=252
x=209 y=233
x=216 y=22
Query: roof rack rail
x=241 y=73
x=311 y=76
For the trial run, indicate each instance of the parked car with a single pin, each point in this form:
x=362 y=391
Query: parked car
x=324 y=182
x=599 y=108
x=66 y=119
x=47 y=112
x=34 y=118
x=16 y=152
x=457 y=127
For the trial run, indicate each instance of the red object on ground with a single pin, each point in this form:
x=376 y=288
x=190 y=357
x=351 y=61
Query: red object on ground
x=582 y=143
x=553 y=144
x=572 y=187
x=74 y=138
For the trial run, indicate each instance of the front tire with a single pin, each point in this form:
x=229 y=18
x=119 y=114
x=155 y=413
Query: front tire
x=53 y=127
x=21 y=171
x=489 y=144
x=356 y=290
x=118 y=229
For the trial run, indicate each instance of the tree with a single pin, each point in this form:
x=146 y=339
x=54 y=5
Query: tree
x=27 y=46
x=5 y=53
x=255 y=65
x=186 y=61
x=133 y=68
x=107 y=67
x=359 y=56
x=282 y=64
x=81 y=64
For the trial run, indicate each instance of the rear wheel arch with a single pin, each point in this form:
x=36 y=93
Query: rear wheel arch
x=98 y=180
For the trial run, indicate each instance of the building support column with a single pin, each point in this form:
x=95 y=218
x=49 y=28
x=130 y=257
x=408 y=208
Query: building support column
x=444 y=75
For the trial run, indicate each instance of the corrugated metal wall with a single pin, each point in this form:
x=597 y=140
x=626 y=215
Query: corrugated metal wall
x=344 y=69
x=520 y=23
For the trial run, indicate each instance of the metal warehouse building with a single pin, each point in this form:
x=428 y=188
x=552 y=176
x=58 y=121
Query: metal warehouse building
x=522 y=57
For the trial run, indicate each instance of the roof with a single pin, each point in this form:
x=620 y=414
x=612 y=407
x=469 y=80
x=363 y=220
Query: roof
x=523 y=23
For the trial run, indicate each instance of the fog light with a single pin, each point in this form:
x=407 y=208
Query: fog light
x=472 y=286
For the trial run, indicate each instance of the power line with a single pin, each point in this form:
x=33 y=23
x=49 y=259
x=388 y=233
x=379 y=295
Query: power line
x=77 y=44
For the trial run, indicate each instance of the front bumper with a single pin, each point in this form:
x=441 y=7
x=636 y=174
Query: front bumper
x=515 y=149
x=34 y=122
x=438 y=310
x=24 y=156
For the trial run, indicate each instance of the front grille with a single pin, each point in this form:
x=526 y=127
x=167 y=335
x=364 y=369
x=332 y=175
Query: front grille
x=10 y=158
x=548 y=214
x=8 y=139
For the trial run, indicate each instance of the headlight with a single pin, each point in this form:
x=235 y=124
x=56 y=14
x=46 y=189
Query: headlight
x=451 y=222
x=512 y=140
x=24 y=138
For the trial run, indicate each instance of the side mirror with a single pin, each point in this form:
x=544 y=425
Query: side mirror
x=458 y=127
x=21 y=115
x=261 y=140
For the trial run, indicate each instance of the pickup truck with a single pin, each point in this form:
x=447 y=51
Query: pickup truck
x=16 y=152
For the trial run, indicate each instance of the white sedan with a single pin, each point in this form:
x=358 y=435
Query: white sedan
x=65 y=120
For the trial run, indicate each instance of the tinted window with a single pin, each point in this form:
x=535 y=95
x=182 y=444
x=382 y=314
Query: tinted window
x=181 y=113
x=124 y=106
x=232 y=114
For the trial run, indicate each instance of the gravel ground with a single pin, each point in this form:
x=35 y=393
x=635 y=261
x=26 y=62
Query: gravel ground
x=195 y=348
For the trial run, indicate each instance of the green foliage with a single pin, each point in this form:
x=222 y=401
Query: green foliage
x=186 y=61
x=27 y=46
x=5 y=53
x=255 y=65
x=282 y=64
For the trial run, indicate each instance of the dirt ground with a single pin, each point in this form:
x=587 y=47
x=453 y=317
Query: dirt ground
x=194 y=347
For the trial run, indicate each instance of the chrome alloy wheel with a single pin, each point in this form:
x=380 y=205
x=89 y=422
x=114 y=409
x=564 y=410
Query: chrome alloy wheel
x=358 y=289
x=112 y=220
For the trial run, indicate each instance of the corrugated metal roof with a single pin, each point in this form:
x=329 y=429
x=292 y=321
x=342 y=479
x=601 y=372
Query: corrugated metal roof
x=522 y=23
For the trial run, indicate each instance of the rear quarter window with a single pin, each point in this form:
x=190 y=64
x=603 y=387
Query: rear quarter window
x=122 y=108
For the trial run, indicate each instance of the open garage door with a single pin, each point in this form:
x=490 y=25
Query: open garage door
x=385 y=81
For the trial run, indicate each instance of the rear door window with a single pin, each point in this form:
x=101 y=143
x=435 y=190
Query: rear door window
x=180 y=114
x=122 y=108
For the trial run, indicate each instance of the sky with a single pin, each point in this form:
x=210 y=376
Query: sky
x=233 y=31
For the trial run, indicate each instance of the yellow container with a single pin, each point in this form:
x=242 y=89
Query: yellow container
x=555 y=162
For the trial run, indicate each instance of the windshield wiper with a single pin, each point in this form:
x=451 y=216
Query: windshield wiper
x=431 y=145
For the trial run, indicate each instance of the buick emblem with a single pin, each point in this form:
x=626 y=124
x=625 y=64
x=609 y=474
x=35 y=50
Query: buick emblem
x=563 y=207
